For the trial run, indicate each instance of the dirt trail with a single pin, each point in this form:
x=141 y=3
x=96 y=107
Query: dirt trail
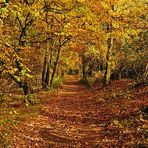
x=69 y=119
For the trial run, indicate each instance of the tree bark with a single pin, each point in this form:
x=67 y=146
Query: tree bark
x=24 y=85
x=108 y=56
x=55 y=65
x=25 y=88
x=47 y=75
x=83 y=68
x=46 y=67
x=44 y=72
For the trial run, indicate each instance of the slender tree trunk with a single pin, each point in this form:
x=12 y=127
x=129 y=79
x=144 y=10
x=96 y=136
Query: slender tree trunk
x=55 y=65
x=83 y=68
x=109 y=49
x=22 y=35
x=25 y=88
x=47 y=75
x=44 y=72
x=108 y=56
x=120 y=76
x=90 y=70
x=46 y=67
x=57 y=57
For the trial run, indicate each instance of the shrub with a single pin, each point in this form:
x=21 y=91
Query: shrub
x=30 y=99
x=88 y=82
x=57 y=83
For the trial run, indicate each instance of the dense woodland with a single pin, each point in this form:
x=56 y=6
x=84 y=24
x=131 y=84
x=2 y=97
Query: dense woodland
x=47 y=45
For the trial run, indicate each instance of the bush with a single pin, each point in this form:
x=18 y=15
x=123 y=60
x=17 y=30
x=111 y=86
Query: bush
x=30 y=99
x=88 y=82
x=57 y=83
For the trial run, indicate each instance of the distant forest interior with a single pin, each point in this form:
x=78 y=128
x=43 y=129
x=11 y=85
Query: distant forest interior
x=73 y=73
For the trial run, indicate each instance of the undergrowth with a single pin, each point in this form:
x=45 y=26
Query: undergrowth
x=88 y=82
x=57 y=83
x=8 y=121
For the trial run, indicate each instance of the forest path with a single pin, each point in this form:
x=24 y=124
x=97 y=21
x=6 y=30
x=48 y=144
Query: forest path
x=68 y=119
x=78 y=117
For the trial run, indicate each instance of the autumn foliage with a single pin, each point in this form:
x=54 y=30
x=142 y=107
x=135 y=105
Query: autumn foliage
x=42 y=42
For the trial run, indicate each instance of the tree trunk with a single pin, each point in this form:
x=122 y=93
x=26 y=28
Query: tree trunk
x=108 y=56
x=55 y=65
x=46 y=67
x=44 y=72
x=47 y=75
x=25 y=88
x=90 y=70
x=120 y=76
x=83 y=68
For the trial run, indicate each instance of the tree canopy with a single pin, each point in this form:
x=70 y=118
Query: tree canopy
x=47 y=34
